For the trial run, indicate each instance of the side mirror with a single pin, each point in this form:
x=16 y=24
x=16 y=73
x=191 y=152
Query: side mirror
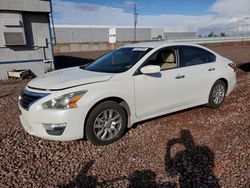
x=151 y=69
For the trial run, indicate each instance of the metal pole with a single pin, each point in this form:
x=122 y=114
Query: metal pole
x=52 y=32
x=135 y=21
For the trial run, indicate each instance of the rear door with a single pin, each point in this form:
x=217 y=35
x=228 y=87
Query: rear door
x=200 y=68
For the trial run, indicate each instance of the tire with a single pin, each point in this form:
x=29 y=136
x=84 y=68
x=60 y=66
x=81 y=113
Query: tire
x=106 y=123
x=217 y=94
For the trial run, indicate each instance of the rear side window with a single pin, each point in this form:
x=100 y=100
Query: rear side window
x=211 y=57
x=195 y=56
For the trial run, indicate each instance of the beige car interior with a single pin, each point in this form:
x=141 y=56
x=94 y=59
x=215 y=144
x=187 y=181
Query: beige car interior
x=168 y=60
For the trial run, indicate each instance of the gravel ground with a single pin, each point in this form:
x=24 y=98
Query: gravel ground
x=200 y=147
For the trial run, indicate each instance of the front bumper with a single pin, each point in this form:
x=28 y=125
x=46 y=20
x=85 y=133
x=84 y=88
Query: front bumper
x=35 y=121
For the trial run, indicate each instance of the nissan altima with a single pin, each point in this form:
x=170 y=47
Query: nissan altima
x=133 y=83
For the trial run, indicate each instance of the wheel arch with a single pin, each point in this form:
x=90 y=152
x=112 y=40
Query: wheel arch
x=223 y=80
x=118 y=100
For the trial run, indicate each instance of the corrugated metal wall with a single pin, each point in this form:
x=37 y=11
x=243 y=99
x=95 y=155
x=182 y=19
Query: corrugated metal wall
x=37 y=68
x=83 y=35
x=178 y=35
x=90 y=38
x=20 y=53
x=36 y=28
x=78 y=35
x=156 y=32
x=5 y=15
x=26 y=5
x=127 y=34
x=17 y=57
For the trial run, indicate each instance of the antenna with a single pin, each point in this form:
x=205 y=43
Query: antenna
x=135 y=21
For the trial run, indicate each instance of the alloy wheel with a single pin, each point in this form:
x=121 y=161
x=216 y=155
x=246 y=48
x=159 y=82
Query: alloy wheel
x=107 y=124
x=218 y=93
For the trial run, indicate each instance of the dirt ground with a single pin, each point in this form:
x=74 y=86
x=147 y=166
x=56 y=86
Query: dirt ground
x=199 y=147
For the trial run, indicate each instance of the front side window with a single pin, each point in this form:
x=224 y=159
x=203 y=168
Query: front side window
x=195 y=56
x=165 y=58
x=118 y=61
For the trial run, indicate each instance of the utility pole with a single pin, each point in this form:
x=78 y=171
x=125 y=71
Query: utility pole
x=135 y=21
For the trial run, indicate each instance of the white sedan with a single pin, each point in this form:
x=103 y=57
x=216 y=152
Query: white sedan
x=125 y=86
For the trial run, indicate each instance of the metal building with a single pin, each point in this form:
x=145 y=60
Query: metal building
x=25 y=36
x=97 y=33
x=72 y=38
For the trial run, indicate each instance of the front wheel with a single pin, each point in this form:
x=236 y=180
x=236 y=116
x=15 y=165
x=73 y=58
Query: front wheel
x=106 y=123
x=217 y=94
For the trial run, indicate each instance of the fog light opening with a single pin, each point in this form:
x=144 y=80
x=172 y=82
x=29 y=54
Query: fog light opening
x=56 y=129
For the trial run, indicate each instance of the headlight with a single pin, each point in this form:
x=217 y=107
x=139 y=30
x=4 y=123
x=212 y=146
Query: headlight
x=66 y=101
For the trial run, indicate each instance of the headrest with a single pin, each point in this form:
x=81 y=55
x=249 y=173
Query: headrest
x=169 y=58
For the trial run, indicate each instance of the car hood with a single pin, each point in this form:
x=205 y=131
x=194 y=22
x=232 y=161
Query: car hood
x=67 y=78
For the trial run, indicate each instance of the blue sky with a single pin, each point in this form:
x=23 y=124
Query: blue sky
x=206 y=15
x=156 y=7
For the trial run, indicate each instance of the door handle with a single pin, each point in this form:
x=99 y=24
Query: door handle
x=211 y=69
x=180 y=77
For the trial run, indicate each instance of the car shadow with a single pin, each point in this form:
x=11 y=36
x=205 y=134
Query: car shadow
x=63 y=61
x=244 y=67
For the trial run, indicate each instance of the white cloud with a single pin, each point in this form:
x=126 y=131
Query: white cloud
x=129 y=3
x=232 y=8
x=231 y=15
x=92 y=14
x=224 y=14
x=89 y=14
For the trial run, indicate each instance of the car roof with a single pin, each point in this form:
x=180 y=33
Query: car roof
x=160 y=44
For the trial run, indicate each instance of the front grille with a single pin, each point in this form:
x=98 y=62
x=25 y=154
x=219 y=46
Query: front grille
x=28 y=98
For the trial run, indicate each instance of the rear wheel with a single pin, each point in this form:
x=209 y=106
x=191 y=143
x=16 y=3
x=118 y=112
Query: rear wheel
x=217 y=94
x=106 y=123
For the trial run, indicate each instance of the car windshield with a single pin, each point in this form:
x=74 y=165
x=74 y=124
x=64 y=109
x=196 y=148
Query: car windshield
x=118 y=61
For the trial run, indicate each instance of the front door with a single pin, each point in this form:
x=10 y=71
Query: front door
x=161 y=92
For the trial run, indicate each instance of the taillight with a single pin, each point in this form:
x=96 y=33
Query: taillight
x=233 y=66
